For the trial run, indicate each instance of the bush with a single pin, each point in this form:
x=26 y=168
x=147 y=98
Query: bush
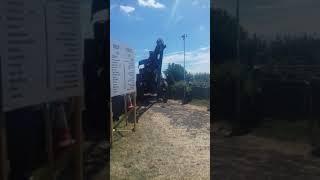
x=201 y=80
x=225 y=90
x=176 y=90
x=200 y=92
x=227 y=73
x=174 y=73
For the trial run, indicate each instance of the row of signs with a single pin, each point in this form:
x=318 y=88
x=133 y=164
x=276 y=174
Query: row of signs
x=40 y=51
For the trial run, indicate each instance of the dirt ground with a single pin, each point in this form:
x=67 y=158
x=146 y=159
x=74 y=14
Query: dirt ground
x=254 y=157
x=171 y=142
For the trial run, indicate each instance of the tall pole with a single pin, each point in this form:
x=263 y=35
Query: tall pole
x=238 y=91
x=184 y=66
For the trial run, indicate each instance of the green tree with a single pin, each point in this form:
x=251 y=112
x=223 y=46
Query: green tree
x=174 y=73
x=189 y=77
x=224 y=36
x=201 y=79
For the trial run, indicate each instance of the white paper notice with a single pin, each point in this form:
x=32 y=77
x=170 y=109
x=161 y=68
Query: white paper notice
x=122 y=69
x=65 y=49
x=22 y=51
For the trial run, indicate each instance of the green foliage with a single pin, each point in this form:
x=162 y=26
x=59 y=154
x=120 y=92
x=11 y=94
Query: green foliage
x=181 y=85
x=174 y=73
x=176 y=84
x=204 y=77
x=176 y=90
x=228 y=70
x=229 y=73
x=201 y=80
x=189 y=77
x=225 y=35
x=284 y=49
x=294 y=50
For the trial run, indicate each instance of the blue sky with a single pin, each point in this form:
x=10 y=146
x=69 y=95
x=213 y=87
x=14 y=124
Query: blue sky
x=139 y=23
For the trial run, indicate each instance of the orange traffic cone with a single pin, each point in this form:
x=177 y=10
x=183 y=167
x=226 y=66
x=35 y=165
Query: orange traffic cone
x=64 y=137
x=130 y=103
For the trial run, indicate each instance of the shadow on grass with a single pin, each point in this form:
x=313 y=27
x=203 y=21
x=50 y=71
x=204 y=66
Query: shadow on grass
x=284 y=130
x=200 y=102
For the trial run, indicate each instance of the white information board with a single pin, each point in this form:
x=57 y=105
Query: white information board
x=40 y=52
x=65 y=49
x=23 y=53
x=122 y=69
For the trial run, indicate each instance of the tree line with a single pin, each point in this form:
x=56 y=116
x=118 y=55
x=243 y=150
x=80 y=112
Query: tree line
x=286 y=49
x=175 y=73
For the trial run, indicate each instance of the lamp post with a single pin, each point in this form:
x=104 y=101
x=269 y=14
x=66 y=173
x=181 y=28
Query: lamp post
x=184 y=65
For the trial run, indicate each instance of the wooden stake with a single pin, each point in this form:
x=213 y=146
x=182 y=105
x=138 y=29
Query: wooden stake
x=110 y=121
x=78 y=151
x=311 y=115
x=134 y=110
x=3 y=149
x=49 y=138
x=125 y=108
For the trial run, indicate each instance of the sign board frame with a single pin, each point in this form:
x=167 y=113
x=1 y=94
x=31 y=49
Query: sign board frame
x=34 y=87
x=44 y=60
x=23 y=39
x=65 y=49
x=134 y=111
x=122 y=66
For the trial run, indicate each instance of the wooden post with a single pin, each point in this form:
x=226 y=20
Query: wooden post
x=3 y=149
x=49 y=138
x=310 y=114
x=134 y=110
x=135 y=107
x=78 y=149
x=125 y=97
x=110 y=121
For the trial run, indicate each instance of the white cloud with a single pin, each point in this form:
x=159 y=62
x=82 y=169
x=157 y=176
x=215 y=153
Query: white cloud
x=203 y=48
x=151 y=3
x=196 y=61
x=202 y=4
x=127 y=9
x=174 y=9
x=173 y=16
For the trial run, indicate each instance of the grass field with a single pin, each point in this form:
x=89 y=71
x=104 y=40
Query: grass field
x=284 y=130
x=200 y=102
x=171 y=141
